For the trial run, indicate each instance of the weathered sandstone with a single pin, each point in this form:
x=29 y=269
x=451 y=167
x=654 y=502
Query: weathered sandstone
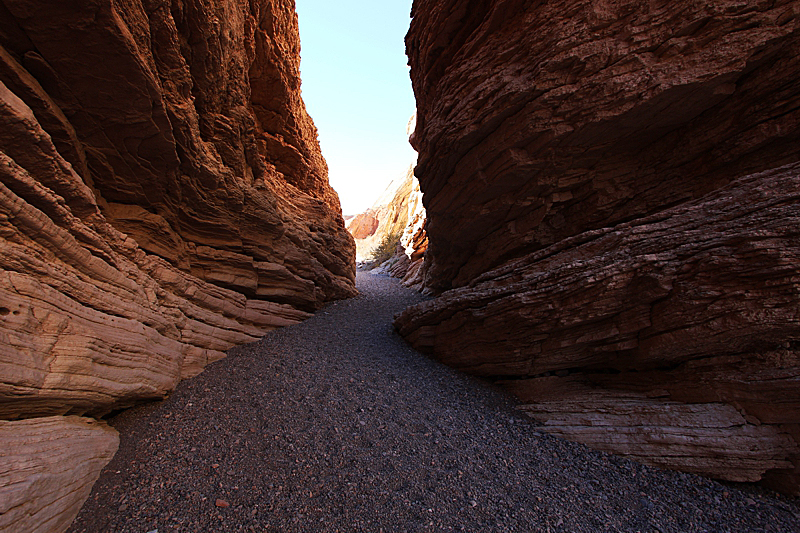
x=408 y=260
x=162 y=198
x=641 y=306
x=644 y=306
x=388 y=216
x=612 y=197
x=539 y=121
x=47 y=469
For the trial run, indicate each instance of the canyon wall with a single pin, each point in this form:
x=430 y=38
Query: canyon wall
x=612 y=200
x=387 y=217
x=396 y=219
x=162 y=198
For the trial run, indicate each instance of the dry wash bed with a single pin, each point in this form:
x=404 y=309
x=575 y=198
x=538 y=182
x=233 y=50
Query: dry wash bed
x=336 y=424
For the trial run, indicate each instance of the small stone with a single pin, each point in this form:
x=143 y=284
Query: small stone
x=221 y=503
x=123 y=507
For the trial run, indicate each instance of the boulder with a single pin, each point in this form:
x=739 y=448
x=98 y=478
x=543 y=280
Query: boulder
x=47 y=469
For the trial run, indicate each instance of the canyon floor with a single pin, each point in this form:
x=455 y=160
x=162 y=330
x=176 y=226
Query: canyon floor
x=336 y=424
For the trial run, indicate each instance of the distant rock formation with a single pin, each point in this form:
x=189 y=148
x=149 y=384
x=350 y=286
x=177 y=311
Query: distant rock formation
x=612 y=196
x=388 y=216
x=162 y=199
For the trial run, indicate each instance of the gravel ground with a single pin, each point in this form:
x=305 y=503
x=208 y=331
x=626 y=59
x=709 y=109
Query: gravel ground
x=336 y=424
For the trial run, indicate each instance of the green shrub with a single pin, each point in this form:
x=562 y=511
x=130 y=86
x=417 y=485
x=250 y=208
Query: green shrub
x=385 y=249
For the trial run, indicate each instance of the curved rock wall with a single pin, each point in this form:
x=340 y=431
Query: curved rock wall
x=611 y=193
x=162 y=199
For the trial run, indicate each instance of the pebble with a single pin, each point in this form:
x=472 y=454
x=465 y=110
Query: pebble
x=342 y=426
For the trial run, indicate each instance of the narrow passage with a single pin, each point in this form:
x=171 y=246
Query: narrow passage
x=336 y=424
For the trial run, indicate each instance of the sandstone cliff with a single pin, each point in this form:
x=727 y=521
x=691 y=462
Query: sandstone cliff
x=607 y=191
x=388 y=216
x=162 y=198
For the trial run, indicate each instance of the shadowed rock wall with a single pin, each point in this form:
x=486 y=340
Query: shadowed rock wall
x=611 y=195
x=540 y=120
x=162 y=199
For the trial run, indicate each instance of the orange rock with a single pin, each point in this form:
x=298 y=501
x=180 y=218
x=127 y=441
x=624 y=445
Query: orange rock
x=160 y=203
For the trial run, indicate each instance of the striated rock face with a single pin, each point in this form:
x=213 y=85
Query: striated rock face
x=538 y=121
x=408 y=261
x=163 y=196
x=689 y=305
x=162 y=199
x=612 y=196
x=47 y=469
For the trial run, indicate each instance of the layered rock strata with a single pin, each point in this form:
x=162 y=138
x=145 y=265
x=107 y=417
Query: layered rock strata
x=538 y=121
x=612 y=196
x=162 y=199
x=690 y=305
x=47 y=469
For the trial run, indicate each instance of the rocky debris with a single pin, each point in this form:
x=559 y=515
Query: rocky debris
x=611 y=193
x=162 y=198
x=694 y=285
x=537 y=122
x=47 y=469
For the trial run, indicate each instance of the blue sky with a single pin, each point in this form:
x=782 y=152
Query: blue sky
x=357 y=89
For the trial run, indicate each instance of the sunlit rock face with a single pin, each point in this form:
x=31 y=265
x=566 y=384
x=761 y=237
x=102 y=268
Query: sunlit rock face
x=610 y=190
x=162 y=198
x=408 y=260
x=388 y=216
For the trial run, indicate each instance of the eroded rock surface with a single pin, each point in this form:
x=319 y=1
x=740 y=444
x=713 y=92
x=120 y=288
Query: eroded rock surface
x=162 y=198
x=388 y=217
x=538 y=121
x=47 y=469
x=612 y=196
x=664 y=307
x=163 y=195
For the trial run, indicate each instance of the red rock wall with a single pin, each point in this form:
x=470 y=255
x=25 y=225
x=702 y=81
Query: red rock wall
x=162 y=198
x=540 y=120
x=169 y=134
x=608 y=196
x=363 y=225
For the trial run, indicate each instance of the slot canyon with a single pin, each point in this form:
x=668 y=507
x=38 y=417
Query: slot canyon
x=603 y=222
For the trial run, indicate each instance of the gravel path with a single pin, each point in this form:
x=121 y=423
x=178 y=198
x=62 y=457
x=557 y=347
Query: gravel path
x=336 y=424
